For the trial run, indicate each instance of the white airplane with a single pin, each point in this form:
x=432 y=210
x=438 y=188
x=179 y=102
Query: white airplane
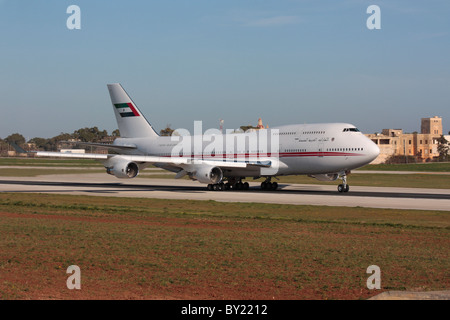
x=325 y=151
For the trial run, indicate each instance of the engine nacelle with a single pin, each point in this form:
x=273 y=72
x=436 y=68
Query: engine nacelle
x=122 y=168
x=208 y=175
x=325 y=177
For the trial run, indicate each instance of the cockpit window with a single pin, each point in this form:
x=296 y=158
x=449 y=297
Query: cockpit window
x=351 y=129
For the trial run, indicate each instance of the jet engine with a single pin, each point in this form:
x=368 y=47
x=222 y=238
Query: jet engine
x=325 y=177
x=122 y=168
x=208 y=175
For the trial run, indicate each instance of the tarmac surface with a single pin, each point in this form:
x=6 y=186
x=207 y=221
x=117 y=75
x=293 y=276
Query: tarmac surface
x=100 y=184
x=411 y=295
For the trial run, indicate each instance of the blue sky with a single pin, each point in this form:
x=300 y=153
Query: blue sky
x=287 y=62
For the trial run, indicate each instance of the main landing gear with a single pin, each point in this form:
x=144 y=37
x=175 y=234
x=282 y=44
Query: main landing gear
x=237 y=184
x=344 y=187
x=267 y=185
x=234 y=184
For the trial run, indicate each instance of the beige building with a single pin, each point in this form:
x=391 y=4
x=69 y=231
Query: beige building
x=421 y=145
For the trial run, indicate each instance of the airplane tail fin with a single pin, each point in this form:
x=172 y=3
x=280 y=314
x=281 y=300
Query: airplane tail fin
x=131 y=122
x=17 y=148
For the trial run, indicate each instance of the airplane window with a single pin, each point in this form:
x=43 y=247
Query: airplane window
x=351 y=129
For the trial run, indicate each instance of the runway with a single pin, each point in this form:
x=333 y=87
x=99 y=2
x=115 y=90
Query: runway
x=100 y=184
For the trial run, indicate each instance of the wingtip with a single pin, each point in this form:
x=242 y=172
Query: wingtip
x=113 y=84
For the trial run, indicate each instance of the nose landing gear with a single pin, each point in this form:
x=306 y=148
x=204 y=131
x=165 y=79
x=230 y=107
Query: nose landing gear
x=344 y=187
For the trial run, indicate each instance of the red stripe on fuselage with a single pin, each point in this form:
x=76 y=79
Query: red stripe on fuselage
x=281 y=155
x=315 y=154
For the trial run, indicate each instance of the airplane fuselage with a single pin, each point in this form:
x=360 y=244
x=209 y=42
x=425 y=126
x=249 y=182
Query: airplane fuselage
x=298 y=149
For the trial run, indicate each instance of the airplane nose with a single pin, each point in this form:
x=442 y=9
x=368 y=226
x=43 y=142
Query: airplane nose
x=373 y=151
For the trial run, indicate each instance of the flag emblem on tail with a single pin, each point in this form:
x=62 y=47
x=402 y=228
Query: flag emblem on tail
x=126 y=109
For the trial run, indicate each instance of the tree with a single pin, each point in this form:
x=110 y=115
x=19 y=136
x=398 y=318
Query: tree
x=245 y=128
x=53 y=143
x=41 y=143
x=167 y=131
x=443 y=148
x=3 y=145
x=394 y=159
x=16 y=138
x=90 y=134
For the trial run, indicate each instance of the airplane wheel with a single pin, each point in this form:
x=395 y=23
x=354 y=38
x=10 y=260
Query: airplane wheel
x=274 y=186
x=263 y=185
x=227 y=186
x=347 y=187
x=246 y=186
x=210 y=187
x=341 y=188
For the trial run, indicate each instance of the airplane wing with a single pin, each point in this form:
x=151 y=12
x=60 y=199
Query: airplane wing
x=128 y=166
x=93 y=156
x=104 y=145
x=154 y=159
